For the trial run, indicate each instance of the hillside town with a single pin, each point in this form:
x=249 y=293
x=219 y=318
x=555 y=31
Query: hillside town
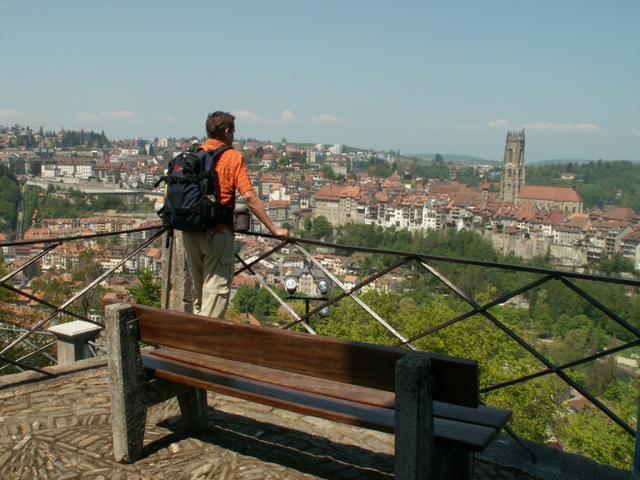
x=308 y=181
x=299 y=183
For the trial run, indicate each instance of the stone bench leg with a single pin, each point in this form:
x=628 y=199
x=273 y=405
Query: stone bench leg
x=131 y=395
x=414 y=441
x=452 y=463
x=126 y=381
x=193 y=408
x=417 y=456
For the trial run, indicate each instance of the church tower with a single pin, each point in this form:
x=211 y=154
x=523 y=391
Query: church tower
x=512 y=166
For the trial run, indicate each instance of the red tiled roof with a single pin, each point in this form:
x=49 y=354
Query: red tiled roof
x=350 y=191
x=620 y=213
x=555 y=194
x=329 y=192
x=279 y=203
x=632 y=236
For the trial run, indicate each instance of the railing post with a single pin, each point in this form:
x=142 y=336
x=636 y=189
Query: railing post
x=177 y=291
x=72 y=340
x=177 y=294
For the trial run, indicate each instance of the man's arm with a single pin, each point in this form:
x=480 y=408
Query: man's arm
x=257 y=208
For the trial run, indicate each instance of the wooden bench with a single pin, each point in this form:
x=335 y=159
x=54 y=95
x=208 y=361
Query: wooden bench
x=429 y=401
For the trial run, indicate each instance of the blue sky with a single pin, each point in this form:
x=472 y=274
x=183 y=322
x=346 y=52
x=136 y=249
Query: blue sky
x=421 y=76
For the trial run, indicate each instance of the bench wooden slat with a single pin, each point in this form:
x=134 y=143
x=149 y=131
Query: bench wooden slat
x=473 y=437
x=482 y=415
x=297 y=381
x=456 y=380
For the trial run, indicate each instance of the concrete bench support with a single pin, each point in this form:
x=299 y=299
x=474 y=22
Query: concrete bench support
x=132 y=394
x=72 y=340
x=126 y=379
x=414 y=418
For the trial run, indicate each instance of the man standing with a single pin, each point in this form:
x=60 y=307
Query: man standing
x=210 y=254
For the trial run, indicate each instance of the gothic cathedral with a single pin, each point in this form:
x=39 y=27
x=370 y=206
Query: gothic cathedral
x=512 y=167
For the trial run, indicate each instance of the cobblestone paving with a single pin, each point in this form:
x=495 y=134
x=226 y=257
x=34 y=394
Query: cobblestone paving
x=60 y=429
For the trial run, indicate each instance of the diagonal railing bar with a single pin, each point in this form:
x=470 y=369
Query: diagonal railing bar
x=11 y=328
x=514 y=336
x=70 y=238
x=95 y=346
x=82 y=292
x=607 y=311
x=284 y=304
x=32 y=260
x=44 y=353
x=92 y=350
x=269 y=252
x=462 y=261
x=359 y=286
x=47 y=304
x=166 y=287
x=474 y=311
x=30 y=354
x=22 y=366
x=355 y=298
x=575 y=363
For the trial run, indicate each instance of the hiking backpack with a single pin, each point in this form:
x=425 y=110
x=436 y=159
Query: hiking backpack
x=192 y=200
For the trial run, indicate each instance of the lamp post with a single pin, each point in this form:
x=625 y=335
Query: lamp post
x=291 y=286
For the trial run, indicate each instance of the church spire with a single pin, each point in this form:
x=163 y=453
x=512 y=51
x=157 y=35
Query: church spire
x=512 y=166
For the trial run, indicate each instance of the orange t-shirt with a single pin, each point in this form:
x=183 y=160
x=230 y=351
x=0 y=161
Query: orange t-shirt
x=231 y=174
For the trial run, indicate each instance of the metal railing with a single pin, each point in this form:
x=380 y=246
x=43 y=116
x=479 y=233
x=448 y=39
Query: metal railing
x=401 y=259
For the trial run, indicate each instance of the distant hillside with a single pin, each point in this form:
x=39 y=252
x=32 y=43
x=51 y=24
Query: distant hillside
x=600 y=183
x=453 y=157
x=560 y=161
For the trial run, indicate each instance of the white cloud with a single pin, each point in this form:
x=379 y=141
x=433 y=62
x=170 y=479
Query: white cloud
x=635 y=132
x=500 y=123
x=326 y=119
x=247 y=115
x=563 y=127
x=287 y=116
x=9 y=114
x=166 y=118
x=469 y=128
x=106 y=115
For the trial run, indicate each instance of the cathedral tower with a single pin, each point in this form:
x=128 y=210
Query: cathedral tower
x=512 y=166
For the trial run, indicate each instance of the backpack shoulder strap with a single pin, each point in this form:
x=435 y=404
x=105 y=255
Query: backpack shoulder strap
x=210 y=159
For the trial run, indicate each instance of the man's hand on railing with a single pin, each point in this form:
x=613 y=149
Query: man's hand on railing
x=280 y=232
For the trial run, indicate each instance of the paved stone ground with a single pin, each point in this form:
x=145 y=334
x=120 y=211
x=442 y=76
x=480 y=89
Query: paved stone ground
x=60 y=429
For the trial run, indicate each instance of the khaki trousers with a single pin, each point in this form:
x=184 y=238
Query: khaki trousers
x=210 y=258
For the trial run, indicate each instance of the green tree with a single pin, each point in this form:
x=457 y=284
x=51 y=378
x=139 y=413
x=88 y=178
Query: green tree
x=590 y=433
x=500 y=358
x=328 y=172
x=614 y=264
x=245 y=298
x=322 y=229
x=266 y=305
x=147 y=291
x=307 y=225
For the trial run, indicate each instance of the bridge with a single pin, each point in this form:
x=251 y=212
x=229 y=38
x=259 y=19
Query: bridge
x=92 y=188
x=60 y=411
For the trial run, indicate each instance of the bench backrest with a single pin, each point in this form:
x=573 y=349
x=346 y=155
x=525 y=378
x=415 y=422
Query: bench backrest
x=455 y=379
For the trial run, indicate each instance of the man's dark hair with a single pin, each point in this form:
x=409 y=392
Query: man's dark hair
x=218 y=122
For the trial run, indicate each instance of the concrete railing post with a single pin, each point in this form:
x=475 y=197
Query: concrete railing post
x=72 y=340
x=414 y=439
x=177 y=291
x=177 y=294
